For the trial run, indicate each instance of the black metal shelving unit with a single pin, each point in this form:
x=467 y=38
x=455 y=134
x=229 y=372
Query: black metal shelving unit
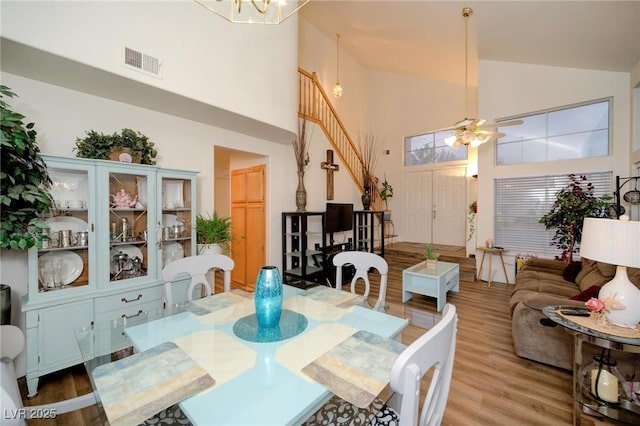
x=303 y=262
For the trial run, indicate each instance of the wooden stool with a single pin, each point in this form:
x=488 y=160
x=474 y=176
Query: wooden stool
x=492 y=251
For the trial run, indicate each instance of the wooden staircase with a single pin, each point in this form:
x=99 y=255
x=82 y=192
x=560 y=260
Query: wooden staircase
x=314 y=105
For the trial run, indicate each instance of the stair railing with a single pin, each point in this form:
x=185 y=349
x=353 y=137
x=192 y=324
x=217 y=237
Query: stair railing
x=314 y=105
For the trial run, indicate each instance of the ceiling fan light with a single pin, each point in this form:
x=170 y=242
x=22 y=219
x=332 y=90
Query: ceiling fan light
x=476 y=142
x=450 y=140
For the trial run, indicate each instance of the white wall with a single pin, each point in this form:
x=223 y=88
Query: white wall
x=401 y=106
x=511 y=88
x=317 y=53
x=182 y=144
x=246 y=69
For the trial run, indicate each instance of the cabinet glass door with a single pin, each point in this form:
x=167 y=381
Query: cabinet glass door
x=130 y=230
x=177 y=219
x=64 y=260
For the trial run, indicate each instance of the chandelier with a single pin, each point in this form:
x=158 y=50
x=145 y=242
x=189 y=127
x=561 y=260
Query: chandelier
x=337 y=89
x=253 y=11
x=472 y=131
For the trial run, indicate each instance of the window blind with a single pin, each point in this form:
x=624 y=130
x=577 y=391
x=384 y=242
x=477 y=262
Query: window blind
x=521 y=202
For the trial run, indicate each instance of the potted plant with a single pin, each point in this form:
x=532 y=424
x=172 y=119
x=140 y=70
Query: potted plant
x=369 y=153
x=471 y=219
x=573 y=203
x=386 y=192
x=213 y=234
x=431 y=257
x=26 y=185
x=127 y=146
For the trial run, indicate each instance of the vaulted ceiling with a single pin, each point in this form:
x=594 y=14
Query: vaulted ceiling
x=426 y=38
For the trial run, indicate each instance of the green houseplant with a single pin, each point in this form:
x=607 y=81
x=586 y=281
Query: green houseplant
x=386 y=192
x=211 y=231
x=471 y=219
x=25 y=182
x=430 y=256
x=103 y=147
x=573 y=203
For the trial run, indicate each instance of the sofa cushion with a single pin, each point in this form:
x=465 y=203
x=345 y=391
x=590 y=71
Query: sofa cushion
x=588 y=266
x=539 y=301
x=587 y=294
x=634 y=276
x=547 y=265
x=571 y=271
x=545 y=282
x=594 y=273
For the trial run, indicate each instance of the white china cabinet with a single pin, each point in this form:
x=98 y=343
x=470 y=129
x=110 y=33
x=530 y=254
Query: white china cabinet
x=114 y=226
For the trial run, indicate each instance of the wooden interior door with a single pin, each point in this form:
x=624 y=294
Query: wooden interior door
x=248 y=222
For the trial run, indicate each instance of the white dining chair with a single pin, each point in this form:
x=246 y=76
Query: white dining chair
x=197 y=268
x=363 y=262
x=434 y=350
x=12 y=339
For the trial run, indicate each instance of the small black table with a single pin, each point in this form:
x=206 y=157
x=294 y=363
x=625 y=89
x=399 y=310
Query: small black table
x=626 y=411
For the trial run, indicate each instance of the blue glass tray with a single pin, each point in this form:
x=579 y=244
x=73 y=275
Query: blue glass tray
x=291 y=324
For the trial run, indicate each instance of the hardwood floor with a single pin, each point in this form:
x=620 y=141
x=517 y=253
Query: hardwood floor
x=491 y=385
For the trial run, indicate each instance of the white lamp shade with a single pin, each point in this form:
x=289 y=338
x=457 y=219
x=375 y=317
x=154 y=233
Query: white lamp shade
x=612 y=241
x=616 y=242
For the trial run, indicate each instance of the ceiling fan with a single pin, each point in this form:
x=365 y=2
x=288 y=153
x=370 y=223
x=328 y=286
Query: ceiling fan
x=472 y=131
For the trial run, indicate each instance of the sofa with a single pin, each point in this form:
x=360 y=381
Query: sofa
x=544 y=282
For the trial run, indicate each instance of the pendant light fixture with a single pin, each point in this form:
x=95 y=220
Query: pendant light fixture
x=253 y=11
x=337 y=89
x=472 y=131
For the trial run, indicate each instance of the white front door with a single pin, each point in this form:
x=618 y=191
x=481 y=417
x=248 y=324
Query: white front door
x=435 y=206
x=449 y=206
x=417 y=199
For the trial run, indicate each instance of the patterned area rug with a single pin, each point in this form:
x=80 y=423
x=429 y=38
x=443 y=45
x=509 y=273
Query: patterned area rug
x=338 y=412
x=171 y=416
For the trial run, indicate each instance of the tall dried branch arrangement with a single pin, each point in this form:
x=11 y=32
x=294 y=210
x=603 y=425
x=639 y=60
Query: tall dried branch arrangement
x=301 y=146
x=370 y=150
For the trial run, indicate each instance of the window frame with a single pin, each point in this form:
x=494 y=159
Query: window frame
x=547 y=111
x=434 y=147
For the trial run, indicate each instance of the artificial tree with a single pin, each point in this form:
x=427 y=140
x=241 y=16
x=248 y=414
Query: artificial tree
x=24 y=180
x=573 y=204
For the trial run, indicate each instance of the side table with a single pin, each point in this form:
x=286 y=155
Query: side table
x=492 y=251
x=437 y=282
x=625 y=411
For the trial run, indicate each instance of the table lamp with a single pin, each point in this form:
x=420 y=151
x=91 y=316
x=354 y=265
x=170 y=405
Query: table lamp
x=616 y=242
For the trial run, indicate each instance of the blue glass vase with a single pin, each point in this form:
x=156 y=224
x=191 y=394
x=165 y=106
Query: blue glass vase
x=268 y=297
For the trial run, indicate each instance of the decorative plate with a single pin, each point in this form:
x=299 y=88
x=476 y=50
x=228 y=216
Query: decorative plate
x=171 y=252
x=59 y=223
x=172 y=194
x=72 y=264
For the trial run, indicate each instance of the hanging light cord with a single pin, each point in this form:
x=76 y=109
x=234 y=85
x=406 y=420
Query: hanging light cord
x=338 y=58
x=466 y=13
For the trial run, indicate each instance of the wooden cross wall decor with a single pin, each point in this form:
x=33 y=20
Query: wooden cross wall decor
x=330 y=167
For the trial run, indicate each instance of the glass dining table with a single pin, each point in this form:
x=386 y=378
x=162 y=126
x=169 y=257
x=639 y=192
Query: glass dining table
x=212 y=358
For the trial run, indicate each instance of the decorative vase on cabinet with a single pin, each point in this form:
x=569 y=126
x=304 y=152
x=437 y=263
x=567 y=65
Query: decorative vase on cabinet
x=110 y=253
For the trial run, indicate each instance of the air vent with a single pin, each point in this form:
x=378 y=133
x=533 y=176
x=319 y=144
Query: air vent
x=142 y=62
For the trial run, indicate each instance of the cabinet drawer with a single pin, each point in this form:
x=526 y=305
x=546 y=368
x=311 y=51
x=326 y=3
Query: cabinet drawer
x=151 y=308
x=128 y=299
